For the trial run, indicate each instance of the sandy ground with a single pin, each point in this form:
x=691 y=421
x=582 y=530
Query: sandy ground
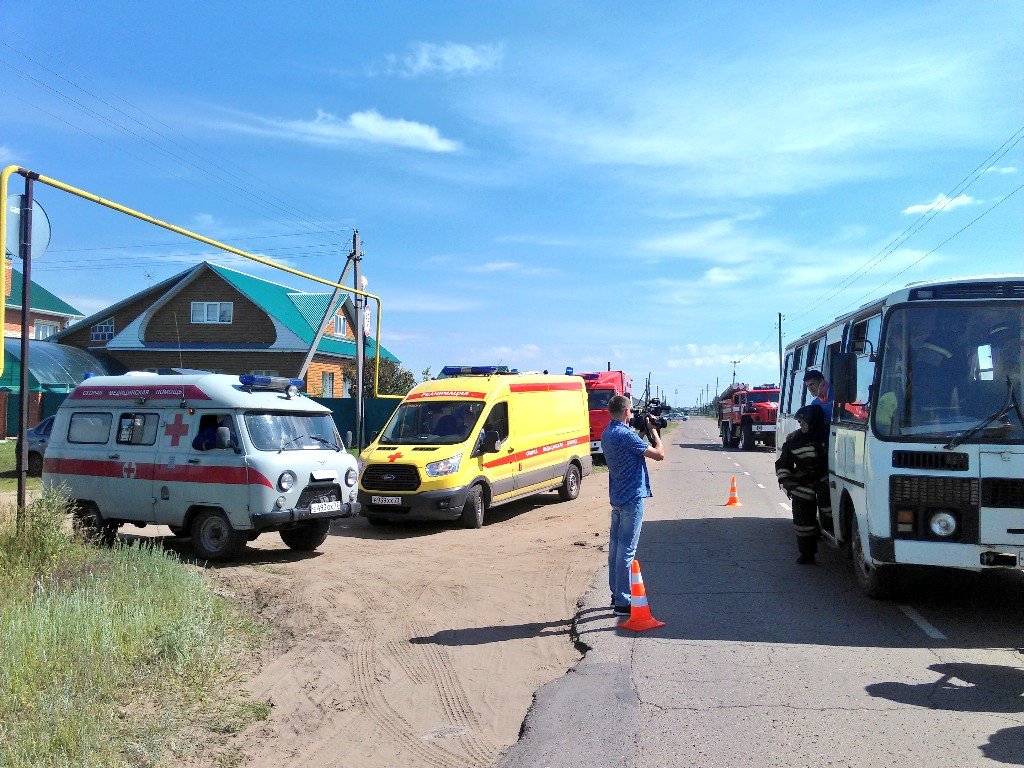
x=416 y=644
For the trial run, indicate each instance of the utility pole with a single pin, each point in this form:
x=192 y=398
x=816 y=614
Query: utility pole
x=360 y=352
x=734 y=362
x=328 y=318
x=780 y=349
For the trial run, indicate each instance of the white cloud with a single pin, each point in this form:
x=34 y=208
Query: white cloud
x=6 y=155
x=504 y=355
x=719 y=276
x=722 y=355
x=494 y=266
x=1001 y=169
x=203 y=220
x=447 y=59
x=368 y=127
x=719 y=241
x=537 y=240
x=940 y=203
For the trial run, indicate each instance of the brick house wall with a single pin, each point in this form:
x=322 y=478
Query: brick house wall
x=343 y=371
x=12 y=322
x=123 y=316
x=249 y=323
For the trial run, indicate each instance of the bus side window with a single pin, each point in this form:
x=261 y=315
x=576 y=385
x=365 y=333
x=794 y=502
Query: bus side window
x=786 y=386
x=798 y=365
x=864 y=341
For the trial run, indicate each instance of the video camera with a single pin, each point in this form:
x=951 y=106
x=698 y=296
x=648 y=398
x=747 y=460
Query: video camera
x=649 y=416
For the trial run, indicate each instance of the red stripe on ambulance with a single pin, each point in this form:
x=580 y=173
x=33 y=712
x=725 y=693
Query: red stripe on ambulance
x=530 y=452
x=160 y=473
x=548 y=387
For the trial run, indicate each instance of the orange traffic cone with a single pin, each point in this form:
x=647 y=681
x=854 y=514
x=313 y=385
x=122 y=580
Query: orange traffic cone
x=734 y=497
x=640 y=618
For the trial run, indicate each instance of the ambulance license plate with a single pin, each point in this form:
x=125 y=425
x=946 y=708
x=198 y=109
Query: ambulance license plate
x=324 y=506
x=394 y=501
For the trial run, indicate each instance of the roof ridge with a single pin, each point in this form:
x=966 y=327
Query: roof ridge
x=252 y=277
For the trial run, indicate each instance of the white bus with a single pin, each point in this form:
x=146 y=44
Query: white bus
x=926 y=443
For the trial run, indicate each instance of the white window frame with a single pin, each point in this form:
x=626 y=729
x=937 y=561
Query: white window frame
x=326 y=391
x=51 y=326
x=102 y=331
x=214 y=308
x=339 y=326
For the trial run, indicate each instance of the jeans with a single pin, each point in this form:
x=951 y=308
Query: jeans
x=623 y=538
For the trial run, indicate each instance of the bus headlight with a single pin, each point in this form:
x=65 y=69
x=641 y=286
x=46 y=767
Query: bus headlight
x=942 y=524
x=444 y=467
x=350 y=478
x=286 y=481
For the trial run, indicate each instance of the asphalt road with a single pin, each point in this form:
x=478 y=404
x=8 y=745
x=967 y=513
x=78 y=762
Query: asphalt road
x=767 y=663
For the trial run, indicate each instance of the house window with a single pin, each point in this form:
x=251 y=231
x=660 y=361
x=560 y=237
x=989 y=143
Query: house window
x=43 y=329
x=213 y=312
x=102 y=331
x=326 y=384
x=339 y=325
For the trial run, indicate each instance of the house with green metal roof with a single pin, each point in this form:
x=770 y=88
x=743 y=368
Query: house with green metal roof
x=48 y=313
x=214 y=318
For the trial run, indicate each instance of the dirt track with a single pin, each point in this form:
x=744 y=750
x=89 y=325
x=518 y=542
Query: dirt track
x=417 y=645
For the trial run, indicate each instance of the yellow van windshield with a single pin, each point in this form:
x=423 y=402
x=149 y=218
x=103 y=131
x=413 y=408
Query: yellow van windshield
x=438 y=422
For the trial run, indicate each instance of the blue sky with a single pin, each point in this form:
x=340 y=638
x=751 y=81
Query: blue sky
x=536 y=184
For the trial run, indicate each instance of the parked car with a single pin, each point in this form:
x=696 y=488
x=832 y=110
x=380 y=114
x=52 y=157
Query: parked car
x=37 y=437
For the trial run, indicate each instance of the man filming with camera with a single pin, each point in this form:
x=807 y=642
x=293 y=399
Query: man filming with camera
x=629 y=484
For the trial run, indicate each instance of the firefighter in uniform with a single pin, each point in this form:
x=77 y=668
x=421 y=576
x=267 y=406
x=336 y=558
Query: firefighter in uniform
x=802 y=470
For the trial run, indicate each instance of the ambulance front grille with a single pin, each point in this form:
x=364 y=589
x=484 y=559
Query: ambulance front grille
x=391 y=477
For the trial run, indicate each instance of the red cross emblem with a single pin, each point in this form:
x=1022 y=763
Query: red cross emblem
x=395 y=456
x=128 y=470
x=177 y=429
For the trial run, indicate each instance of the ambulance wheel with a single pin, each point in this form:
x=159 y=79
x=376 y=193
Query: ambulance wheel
x=35 y=464
x=570 y=488
x=473 y=509
x=307 y=535
x=875 y=581
x=213 y=537
x=90 y=525
x=747 y=437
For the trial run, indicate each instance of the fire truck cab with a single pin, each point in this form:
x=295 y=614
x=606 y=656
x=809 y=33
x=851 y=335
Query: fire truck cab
x=746 y=416
x=601 y=388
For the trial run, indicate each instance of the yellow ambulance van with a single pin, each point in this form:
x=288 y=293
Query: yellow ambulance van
x=473 y=439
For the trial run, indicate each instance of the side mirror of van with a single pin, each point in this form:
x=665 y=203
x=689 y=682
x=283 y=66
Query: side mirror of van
x=223 y=437
x=491 y=442
x=844 y=377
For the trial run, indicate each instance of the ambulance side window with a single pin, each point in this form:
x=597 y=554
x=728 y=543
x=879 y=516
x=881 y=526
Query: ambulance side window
x=206 y=437
x=497 y=420
x=137 y=428
x=90 y=428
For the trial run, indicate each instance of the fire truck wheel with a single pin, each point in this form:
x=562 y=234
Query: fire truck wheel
x=213 y=537
x=306 y=536
x=747 y=437
x=724 y=429
x=570 y=487
x=734 y=437
x=473 y=510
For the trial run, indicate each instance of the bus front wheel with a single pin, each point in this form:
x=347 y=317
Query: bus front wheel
x=875 y=581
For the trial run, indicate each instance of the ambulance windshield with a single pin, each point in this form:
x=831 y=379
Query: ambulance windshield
x=292 y=431
x=438 y=422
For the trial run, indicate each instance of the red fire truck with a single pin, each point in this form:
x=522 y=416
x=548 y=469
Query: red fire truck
x=746 y=415
x=602 y=387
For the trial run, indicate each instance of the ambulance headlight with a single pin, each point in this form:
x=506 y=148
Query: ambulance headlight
x=444 y=467
x=351 y=477
x=286 y=481
x=942 y=524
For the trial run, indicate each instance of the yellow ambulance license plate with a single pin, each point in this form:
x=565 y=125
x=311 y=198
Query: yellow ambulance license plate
x=393 y=501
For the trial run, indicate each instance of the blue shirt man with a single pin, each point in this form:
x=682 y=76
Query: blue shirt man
x=820 y=391
x=628 y=485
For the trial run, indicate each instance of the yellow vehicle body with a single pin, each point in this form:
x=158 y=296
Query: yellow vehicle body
x=456 y=447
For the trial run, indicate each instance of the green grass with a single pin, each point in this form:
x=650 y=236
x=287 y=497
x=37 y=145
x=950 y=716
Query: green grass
x=8 y=475
x=112 y=656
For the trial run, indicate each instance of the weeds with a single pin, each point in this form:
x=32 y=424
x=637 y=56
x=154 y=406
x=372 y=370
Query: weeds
x=107 y=653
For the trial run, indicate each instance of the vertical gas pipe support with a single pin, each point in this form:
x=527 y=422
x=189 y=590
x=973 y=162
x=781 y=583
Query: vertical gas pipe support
x=25 y=248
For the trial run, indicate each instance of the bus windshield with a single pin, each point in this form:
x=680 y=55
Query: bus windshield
x=948 y=368
x=437 y=422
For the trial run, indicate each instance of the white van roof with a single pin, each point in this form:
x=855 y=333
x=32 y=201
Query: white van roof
x=204 y=390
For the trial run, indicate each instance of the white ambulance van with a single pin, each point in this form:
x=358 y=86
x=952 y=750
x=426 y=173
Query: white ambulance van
x=217 y=458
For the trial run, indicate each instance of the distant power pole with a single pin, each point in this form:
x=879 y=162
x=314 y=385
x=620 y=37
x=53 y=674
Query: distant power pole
x=734 y=362
x=359 y=300
x=780 y=349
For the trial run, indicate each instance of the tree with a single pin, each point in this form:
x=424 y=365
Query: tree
x=425 y=373
x=394 y=379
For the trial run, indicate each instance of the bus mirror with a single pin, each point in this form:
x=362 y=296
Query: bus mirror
x=844 y=377
x=864 y=345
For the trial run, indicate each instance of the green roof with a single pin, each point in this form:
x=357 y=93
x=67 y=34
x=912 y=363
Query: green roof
x=39 y=298
x=296 y=310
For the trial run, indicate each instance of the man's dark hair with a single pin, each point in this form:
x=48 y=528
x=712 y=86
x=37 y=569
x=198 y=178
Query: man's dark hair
x=813 y=375
x=618 y=405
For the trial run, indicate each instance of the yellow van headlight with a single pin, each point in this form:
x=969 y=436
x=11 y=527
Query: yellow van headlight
x=444 y=467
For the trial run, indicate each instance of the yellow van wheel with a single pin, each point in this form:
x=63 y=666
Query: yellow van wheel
x=473 y=509
x=570 y=487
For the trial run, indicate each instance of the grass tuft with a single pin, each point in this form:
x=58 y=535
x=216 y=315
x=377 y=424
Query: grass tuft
x=108 y=653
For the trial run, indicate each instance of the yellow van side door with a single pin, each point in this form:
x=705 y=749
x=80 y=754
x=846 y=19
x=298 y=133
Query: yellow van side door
x=500 y=468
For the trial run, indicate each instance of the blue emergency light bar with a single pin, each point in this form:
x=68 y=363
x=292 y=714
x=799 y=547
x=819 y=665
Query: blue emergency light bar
x=271 y=383
x=472 y=370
